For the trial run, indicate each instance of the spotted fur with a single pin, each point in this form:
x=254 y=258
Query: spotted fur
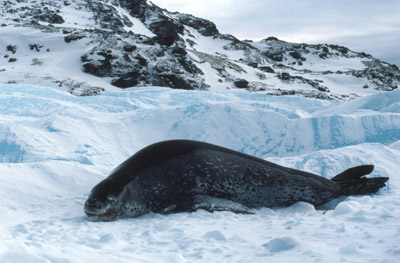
x=182 y=175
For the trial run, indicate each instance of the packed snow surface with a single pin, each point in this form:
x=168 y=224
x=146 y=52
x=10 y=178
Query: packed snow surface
x=54 y=147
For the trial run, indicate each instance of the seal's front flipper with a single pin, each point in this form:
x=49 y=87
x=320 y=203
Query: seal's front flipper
x=212 y=204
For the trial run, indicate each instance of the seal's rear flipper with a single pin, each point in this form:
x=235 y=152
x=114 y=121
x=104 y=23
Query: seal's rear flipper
x=212 y=204
x=353 y=182
x=353 y=173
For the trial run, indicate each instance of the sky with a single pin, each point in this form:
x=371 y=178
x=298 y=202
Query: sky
x=371 y=26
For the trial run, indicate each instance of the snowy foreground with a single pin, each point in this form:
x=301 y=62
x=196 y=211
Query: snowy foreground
x=54 y=147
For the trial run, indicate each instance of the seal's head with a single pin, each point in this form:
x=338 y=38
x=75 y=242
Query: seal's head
x=102 y=204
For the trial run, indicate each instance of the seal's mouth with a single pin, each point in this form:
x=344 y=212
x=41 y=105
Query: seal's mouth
x=108 y=216
x=99 y=211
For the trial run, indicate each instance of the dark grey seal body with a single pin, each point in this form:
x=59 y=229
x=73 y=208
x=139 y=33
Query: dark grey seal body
x=183 y=175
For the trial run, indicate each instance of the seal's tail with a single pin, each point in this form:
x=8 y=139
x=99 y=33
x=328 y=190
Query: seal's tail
x=353 y=181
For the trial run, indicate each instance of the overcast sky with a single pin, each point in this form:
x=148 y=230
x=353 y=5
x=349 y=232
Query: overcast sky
x=372 y=26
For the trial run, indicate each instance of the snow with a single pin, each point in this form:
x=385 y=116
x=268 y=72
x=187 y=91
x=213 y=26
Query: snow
x=336 y=61
x=211 y=56
x=54 y=66
x=138 y=27
x=76 y=18
x=337 y=74
x=54 y=147
x=212 y=46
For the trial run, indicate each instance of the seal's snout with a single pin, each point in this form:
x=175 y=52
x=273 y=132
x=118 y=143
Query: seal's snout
x=92 y=204
x=95 y=207
x=98 y=210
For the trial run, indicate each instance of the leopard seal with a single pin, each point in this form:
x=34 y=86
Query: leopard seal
x=185 y=175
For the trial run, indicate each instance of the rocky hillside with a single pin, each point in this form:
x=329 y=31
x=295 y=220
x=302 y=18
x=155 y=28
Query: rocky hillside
x=87 y=47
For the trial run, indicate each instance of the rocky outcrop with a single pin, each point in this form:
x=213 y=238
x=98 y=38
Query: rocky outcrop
x=167 y=31
x=241 y=83
x=205 y=27
x=132 y=43
x=137 y=8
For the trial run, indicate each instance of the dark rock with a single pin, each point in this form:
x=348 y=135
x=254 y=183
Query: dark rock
x=252 y=64
x=343 y=50
x=160 y=53
x=35 y=47
x=385 y=78
x=271 y=39
x=127 y=80
x=137 y=8
x=100 y=68
x=288 y=92
x=12 y=60
x=149 y=41
x=274 y=55
x=127 y=58
x=323 y=55
x=106 y=54
x=235 y=43
x=205 y=27
x=267 y=69
x=179 y=51
x=12 y=48
x=261 y=76
x=142 y=61
x=85 y=58
x=228 y=37
x=73 y=37
x=324 y=89
x=92 y=91
x=167 y=31
x=108 y=17
x=129 y=48
x=190 y=67
x=37 y=62
x=241 y=83
x=284 y=76
x=173 y=81
x=48 y=16
x=295 y=55
x=191 y=42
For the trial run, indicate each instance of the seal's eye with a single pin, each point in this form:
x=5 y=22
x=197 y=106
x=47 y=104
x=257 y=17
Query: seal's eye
x=94 y=204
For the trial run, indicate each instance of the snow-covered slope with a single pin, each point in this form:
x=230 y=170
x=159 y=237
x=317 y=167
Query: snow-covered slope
x=86 y=47
x=54 y=147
